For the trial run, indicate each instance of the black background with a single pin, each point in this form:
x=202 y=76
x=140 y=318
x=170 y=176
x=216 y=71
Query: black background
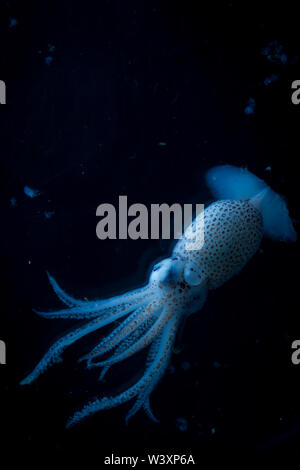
x=86 y=128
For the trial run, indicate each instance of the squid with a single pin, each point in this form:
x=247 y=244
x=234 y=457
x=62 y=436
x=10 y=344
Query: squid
x=245 y=210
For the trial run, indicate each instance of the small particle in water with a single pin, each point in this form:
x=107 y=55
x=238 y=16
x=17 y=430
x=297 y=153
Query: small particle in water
x=13 y=202
x=31 y=192
x=48 y=60
x=274 y=52
x=181 y=424
x=49 y=214
x=185 y=365
x=12 y=22
x=161 y=144
x=29 y=261
x=51 y=48
x=270 y=79
x=268 y=168
x=250 y=108
x=213 y=431
x=217 y=364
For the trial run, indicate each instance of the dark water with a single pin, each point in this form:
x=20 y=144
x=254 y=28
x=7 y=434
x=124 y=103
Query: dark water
x=92 y=92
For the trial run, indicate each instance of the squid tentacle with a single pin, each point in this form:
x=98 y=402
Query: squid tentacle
x=114 y=338
x=127 y=342
x=142 y=342
x=147 y=409
x=122 y=331
x=62 y=295
x=53 y=355
x=143 y=399
x=92 y=309
x=79 y=313
x=153 y=372
x=139 y=403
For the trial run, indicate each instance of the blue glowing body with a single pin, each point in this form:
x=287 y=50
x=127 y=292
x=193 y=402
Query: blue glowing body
x=234 y=226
